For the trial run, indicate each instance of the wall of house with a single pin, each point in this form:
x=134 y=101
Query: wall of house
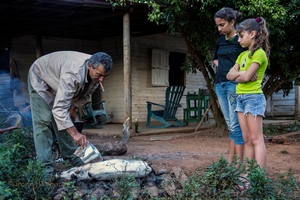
x=142 y=89
x=24 y=53
x=281 y=106
x=114 y=83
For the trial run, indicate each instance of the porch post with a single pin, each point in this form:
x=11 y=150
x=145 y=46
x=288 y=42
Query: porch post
x=127 y=68
x=297 y=104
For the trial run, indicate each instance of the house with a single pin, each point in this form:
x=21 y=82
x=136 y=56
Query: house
x=34 y=28
x=146 y=59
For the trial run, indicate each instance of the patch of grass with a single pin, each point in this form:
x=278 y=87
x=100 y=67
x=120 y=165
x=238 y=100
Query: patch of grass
x=279 y=129
x=284 y=152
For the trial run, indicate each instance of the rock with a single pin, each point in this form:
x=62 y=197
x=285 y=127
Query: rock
x=151 y=188
x=180 y=175
x=60 y=195
x=278 y=139
x=98 y=193
x=169 y=185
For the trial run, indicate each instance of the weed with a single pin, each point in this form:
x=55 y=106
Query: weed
x=284 y=152
x=71 y=189
x=126 y=185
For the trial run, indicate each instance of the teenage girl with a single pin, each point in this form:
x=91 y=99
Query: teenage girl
x=249 y=71
x=226 y=52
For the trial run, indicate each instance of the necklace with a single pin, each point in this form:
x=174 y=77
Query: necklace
x=230 y=37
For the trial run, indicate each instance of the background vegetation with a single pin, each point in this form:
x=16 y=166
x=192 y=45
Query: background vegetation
x=194 y=20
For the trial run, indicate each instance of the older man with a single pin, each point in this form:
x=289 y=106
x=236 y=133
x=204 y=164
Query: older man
x=58 y=83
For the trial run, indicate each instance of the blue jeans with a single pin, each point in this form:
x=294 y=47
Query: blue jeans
x=227 y=99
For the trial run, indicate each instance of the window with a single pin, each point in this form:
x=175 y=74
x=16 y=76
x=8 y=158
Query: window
x=160 y=67
x=166 y=68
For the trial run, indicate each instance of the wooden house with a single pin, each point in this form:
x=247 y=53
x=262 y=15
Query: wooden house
x=135 y=44
x=145 y=59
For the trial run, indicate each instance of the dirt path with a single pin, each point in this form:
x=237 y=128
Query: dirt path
x=200 y=150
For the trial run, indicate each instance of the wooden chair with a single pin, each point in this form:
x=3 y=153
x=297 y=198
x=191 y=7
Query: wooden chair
x=91 y=116
x=168 y=111
x=196 y=104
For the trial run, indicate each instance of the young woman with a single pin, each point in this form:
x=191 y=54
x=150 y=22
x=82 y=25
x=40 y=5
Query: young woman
x=226 y=52
x=249 y=71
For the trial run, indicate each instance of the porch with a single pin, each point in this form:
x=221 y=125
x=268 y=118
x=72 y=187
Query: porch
x=115 y=130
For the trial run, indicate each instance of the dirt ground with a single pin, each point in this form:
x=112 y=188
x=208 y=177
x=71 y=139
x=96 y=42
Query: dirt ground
x=190 y=151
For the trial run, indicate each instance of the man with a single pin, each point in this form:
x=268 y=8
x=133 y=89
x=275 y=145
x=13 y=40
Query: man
x=58 y=83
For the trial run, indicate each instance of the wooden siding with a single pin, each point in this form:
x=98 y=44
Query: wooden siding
x=280 y=106
x=142 y=89
x=24 y=53
x=114 y=83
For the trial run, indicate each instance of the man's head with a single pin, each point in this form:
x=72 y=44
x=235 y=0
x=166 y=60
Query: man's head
x=99 y=66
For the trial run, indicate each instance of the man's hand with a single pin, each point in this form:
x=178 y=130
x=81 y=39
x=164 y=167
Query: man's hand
x=79 y=138
x=73 y=114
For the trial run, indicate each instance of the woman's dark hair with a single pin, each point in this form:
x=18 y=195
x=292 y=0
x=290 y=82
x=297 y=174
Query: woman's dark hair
x=229 y=14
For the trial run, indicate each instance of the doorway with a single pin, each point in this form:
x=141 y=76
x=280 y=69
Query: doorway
x=176 y=75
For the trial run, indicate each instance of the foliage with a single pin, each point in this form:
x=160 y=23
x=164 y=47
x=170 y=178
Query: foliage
x=220 y=181
x=125 y=186
x=21 y=177
x=194 y=19
x=71 y=188
x=279 y=129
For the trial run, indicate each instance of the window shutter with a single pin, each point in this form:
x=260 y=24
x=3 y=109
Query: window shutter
x=160 y=67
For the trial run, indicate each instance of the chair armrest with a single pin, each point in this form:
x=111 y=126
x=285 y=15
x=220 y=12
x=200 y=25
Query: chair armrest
x=148 y=102
x=101 y=102
x=177 y=106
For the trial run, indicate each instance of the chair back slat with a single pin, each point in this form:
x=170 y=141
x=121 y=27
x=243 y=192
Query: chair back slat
x=173 y=98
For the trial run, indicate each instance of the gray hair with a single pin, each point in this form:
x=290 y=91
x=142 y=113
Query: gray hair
x=101 y=58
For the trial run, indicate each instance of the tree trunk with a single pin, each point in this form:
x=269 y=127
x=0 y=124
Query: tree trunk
x=218 y=116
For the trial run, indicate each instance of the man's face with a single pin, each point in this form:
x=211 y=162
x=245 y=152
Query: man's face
x=98 y=74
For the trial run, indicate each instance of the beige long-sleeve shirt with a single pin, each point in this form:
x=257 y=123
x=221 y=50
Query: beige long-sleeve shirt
x=60 y=78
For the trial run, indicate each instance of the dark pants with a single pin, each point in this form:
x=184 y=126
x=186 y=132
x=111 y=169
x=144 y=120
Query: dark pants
x=43 y=124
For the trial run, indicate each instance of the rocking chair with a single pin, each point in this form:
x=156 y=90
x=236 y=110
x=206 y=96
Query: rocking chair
x=173 y=97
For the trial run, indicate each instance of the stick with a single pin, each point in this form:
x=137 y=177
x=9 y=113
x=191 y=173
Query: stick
x=9 y=129
x=101 y=86
x=200 y=123
x=285 y=135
